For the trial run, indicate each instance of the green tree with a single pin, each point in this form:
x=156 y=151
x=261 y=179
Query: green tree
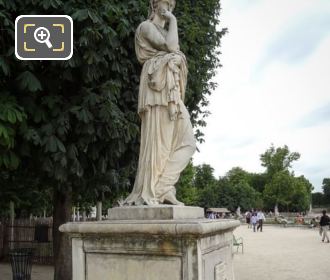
x=278 y=159
x=230 y=191
x=225 y=194
x=237 y=175
x=11 y=117
x=206 y=185
x=36 y=201
x=204 y=176
x=279 y=180
x=186 y=189
x=72 y=125
x=318 y=199
x=288 y=192
x=301 y=195
x=326 y=190
x=278 y=191
x=242 y=192
x=244 y=196
x=200 y=36
x=258 y=181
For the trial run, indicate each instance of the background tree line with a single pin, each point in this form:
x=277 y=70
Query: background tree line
x=198 y=186
x=278 y=185
x=322 y=199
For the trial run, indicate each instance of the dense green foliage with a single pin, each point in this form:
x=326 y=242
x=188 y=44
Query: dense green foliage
x=276 y=186
x=322 y=199
x=326 y=190
x=318 y=199
x=278 y=160
x=73 y=124
x=37 y=200
x=282 y=187
x=205 y=190
x=199 y=35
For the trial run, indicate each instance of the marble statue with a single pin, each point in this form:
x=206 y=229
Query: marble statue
x=238 y=212
x=167 y=138
x=277 y=213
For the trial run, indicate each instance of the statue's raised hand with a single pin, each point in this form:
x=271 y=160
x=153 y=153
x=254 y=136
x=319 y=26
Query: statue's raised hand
x=167 y=14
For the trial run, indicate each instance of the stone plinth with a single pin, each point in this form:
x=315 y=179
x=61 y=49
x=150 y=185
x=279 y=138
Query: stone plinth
x=161 y=212
x=176 y=249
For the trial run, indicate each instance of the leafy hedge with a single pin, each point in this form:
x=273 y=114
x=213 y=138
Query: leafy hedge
x=74 y=123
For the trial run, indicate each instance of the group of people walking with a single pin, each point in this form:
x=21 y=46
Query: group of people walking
x=255 y=219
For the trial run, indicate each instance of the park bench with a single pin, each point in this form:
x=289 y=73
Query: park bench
x=238 y=242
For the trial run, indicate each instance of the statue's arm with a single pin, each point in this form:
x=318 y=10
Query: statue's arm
x=172 y=38
x=150 y=33
x=168 y=44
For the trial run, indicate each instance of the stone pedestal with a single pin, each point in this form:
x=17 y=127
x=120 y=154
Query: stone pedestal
x=160 y=212
x=169 y=248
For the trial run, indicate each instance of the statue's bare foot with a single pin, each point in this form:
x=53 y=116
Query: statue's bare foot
x=171 y=199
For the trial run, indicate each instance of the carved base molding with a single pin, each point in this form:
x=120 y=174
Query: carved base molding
x=182 y=249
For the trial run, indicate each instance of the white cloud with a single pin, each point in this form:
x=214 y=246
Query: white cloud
x=252 y=107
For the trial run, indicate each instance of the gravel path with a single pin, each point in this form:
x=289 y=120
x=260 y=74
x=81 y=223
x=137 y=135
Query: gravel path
x=280 y=253
x=277 y=253
x=39 y=272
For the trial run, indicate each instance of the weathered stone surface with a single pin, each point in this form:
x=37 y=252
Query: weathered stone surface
x=161 y=212
x=152 y=227
x=137 y=267
x=195 y=249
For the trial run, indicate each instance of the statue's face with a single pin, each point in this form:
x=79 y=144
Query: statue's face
x=165 y=5
x=158 y=6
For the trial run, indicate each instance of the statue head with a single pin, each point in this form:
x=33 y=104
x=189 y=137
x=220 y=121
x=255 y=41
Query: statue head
x=154 y=4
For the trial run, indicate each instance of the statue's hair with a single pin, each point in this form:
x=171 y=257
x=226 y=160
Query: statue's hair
x=153 y=6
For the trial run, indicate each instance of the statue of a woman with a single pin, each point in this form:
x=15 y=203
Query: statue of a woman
x=167 y=139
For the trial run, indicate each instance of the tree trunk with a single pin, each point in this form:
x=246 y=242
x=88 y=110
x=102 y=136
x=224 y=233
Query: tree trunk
x=12 y=223
x=84 y=216
x=62 y=242
x=99 y=211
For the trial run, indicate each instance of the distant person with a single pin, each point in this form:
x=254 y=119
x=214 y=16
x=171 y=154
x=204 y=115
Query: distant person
x=313 y=223
x=324 y=224
x=261 y=218
x=248 y=218
x=254 y=221
x=211 y=215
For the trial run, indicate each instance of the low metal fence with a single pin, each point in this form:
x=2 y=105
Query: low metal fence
x=29 y=233
x=1 y=240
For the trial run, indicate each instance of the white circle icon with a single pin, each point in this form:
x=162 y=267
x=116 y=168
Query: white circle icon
x=41 y=35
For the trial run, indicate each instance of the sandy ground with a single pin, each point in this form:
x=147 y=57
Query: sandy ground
x=277 y=253
x=38 y=272
x=280 y=253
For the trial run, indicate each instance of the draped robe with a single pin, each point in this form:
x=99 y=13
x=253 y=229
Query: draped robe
x=166 y=145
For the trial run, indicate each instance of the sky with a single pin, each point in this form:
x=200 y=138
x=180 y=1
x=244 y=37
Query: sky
x=273 y=88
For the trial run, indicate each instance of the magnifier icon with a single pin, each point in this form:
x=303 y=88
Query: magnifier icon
x=41 y=35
